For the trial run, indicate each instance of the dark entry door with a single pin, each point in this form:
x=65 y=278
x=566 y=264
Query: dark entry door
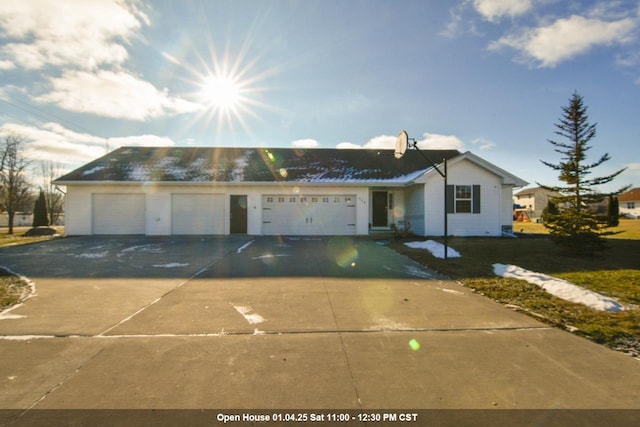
x=380 y=209
x=238 y=213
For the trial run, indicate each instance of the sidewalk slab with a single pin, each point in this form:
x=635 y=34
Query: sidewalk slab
x=524 y=369
x=82 y=306
x=32 y=368
x=235 y=372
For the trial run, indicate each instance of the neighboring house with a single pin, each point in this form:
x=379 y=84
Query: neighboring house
x=533 y=201
x=629 y=203
x=285 y=191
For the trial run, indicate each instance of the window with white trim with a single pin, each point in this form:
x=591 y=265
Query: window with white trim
x=464 y=198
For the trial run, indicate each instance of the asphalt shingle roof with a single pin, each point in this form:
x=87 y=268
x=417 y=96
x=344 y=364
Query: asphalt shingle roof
x=631 y=195
x=225 y=164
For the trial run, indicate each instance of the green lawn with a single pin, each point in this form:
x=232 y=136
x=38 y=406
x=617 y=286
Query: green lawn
x=17 y=237
x=628 y=229
x=614 y=272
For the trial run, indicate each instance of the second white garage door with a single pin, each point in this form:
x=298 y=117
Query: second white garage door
x=118 y=213
x=309 y=215
x=197 y=214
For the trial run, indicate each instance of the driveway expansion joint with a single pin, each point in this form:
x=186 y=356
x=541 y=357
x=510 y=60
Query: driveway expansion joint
x=276 y=333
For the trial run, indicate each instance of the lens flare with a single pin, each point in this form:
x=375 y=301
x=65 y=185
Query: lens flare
x=414 y=344
x=343 y=251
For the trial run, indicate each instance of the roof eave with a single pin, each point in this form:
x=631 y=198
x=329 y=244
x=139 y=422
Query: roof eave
x=354 y=183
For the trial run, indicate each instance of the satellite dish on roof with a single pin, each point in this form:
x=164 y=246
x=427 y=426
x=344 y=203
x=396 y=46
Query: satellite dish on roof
x=401 y=144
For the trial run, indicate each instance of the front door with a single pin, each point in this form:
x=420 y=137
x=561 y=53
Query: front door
x=238 y=214
x=380 y=209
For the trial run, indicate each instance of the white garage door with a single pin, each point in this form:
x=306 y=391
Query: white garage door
x=326 y=215
x=197 y=214
x=118 y=213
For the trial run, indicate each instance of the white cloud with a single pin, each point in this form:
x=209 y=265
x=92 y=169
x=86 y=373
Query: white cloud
x=482 y=143
x=348 y=146
x=566 y=38
x=54 y=142
x=113 y=94
x=305 y=143
x=493 y=10
x=382 y=141
x=434 y=141
x=633 y=169
x=429 y=141
x=80 y=33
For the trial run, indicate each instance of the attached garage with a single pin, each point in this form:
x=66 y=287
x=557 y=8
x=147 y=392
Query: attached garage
x=197 y=213
x=118 y=213
x=309 y=215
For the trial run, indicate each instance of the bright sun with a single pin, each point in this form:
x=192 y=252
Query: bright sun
x=221 y=92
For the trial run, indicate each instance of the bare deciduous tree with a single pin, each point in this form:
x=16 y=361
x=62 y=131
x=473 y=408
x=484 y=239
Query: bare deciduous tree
x=54 y=198
x=14 y=186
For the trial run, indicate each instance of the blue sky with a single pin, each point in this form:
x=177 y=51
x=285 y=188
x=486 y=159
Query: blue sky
x=490 y=76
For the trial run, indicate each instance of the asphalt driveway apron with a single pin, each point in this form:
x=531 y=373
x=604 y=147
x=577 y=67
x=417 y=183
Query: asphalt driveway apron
x=269 y=322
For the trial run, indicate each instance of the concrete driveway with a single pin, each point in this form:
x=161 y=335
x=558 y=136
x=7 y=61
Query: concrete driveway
x=269 y=323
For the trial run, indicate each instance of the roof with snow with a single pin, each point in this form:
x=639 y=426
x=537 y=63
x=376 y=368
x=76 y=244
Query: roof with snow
x=240 y=165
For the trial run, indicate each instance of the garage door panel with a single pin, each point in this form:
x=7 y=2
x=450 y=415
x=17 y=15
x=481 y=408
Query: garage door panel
x=309 y=215
x=197 y=213
x=118 y=213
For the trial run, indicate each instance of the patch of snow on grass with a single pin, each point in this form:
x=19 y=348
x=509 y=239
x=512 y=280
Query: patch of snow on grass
x=170 y=265
x=560 y=288
x=436 y=249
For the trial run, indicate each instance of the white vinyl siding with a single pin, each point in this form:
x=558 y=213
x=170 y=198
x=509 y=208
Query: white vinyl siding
x=414 y=208
x=485 y=216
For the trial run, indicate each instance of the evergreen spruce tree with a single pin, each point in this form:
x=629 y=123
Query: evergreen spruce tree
x=613 y=211
x=576 y=227
x=550 y=212
x=40 y=216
